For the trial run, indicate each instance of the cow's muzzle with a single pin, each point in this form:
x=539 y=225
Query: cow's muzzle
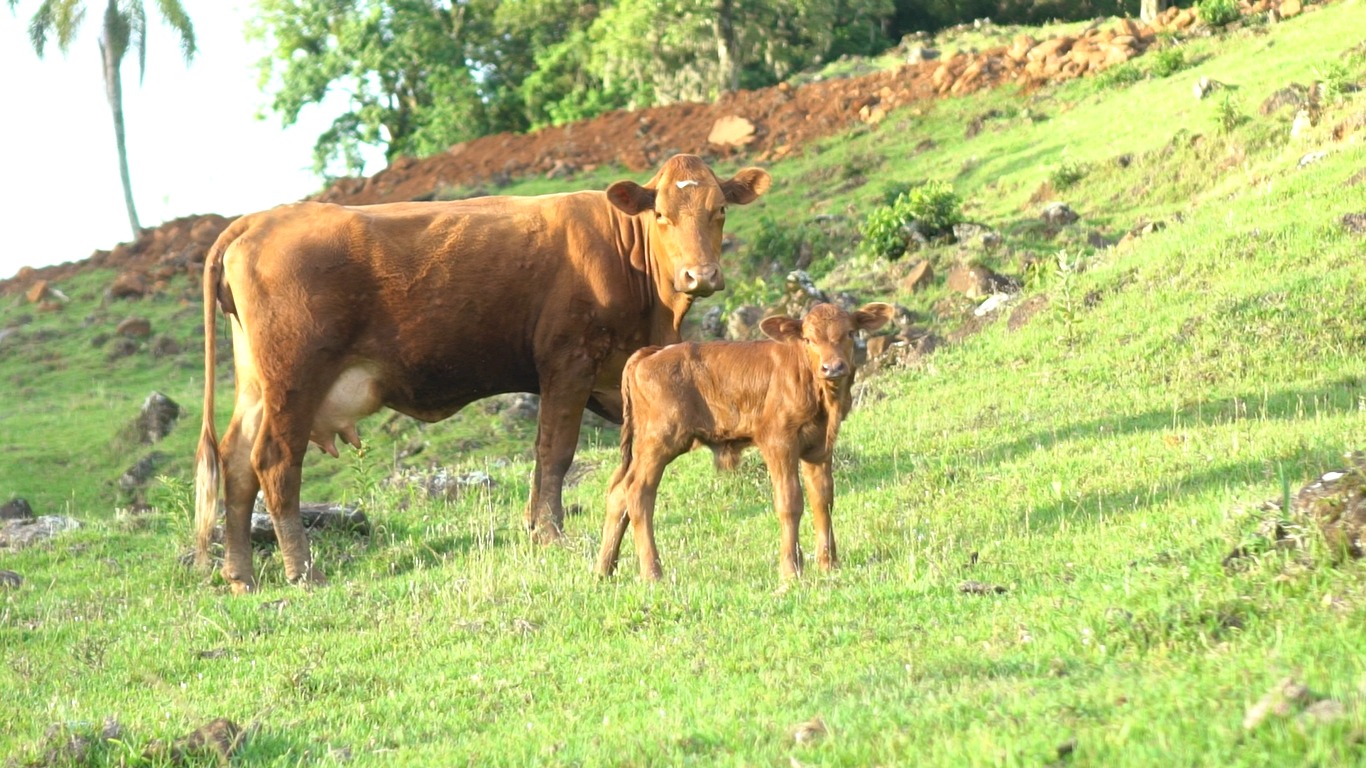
x=700 y=281
x=837 y=369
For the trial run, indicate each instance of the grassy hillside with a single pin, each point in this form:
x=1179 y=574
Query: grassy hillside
x=1097 y=465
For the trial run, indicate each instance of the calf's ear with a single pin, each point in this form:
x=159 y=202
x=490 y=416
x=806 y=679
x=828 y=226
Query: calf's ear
x=746 y=185
x=631 y=198
x=781 y=328
x=871 y=317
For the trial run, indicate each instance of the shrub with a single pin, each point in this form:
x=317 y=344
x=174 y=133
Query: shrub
x=1335 y=77
x=1119 y=75
x=1227 y=116
x=931 y=209
x=1168 y=62
x=1218 y=13
x=1068 y=173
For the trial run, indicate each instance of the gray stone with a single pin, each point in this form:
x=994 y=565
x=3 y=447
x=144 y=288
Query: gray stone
x=18 y=534
x=16 y=508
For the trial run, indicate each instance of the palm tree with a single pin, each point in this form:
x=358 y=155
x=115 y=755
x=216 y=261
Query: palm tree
x=124 y=27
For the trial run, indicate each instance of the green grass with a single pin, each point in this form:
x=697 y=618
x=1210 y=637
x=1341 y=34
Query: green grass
x=1098 y=464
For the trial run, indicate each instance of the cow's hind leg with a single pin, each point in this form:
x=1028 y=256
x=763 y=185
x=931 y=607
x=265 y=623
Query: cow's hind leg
x=613 y=525
x=240 y=485
x=278 y=457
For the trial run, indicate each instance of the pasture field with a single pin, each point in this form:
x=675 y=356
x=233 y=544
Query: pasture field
x=1033 y=523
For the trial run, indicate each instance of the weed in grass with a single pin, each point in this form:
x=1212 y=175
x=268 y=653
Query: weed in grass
x=1218 y=13
x=1119 y=76
x=1168 y=61
x=1068 y=173
x=1069 y=307
x=1335 y=80
x=1228 y=115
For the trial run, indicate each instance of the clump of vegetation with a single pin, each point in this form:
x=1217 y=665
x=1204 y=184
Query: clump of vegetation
x=1068 y=173
x=1218 y=13
x=1227 y=115
x=1334 y=77
x=921 y=213
x=787 y=244
x=1168 y=62
x=1119 y=76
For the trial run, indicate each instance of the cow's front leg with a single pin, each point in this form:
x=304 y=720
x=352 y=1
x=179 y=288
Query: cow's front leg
x=787 y=501
x=820 y=489
x=557 y=435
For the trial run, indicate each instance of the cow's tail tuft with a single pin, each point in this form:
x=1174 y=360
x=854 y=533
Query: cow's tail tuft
x=207 y=478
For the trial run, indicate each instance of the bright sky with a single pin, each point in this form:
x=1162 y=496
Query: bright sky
x=194 y=143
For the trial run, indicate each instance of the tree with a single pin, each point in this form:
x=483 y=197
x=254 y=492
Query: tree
x=404 y=64
x=122 y=27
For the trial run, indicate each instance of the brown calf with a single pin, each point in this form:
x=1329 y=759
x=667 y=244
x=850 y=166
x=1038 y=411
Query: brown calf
x=786 y=396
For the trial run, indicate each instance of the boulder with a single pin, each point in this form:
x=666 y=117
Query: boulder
x=1336 y=504
x=713 y=327
x=142 y=470
x=731 y=131
x=37 y=292
x=315 y=517
x=973 y=281
x=156 y=419
x=165 y=346
x=129 y=285
x=743 y=323
x=16 y=508
x=1290 y=8
x=919 y=278
x=1058 y=214
x=1355 y=223
x=134 y=328
x=10 y=580
x=18 y=534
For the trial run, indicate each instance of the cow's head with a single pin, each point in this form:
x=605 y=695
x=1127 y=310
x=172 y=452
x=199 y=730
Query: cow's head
x=827 y=335
x=687 y=205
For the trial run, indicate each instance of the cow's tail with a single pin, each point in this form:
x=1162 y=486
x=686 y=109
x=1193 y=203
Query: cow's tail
x=208 y=464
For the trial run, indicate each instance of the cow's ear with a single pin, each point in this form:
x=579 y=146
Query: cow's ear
x=746 y=186
x=631 y=198
x=871 y=317
x=781 y=328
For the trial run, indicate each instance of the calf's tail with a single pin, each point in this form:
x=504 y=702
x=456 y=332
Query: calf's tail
x=628 y=427
x=207 y=461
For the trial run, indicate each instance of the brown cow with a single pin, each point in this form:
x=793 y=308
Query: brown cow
x=427 y=307
x=786 y=396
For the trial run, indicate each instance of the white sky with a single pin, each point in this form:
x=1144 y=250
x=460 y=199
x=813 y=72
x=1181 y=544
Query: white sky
x=194 y=142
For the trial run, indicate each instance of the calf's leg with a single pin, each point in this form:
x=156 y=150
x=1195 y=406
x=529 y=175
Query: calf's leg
x=613 y=525
x=787 y=501
x=820 y=489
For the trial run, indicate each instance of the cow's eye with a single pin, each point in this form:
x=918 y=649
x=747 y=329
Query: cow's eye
x=662 y=219
x=722 y=212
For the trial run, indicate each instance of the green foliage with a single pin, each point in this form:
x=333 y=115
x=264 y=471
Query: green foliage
x=1227 y=114
x=1335 y=78
x=1120 y=75
x=1218 y=13
x=1167 y=61
x=932 y=208
x=1068 y=173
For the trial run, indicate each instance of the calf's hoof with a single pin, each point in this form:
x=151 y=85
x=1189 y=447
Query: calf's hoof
x=547 y=533
x=310 y=577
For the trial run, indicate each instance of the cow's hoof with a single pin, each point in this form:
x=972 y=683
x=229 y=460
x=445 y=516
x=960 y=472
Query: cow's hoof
x=242 y=587
x=547 y=533
x=312 y=577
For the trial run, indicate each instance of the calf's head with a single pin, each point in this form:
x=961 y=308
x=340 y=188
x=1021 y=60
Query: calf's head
x=827 y=335
x=687 y=203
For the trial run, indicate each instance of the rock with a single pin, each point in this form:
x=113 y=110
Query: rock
x=1285 y=697
x=156 y=419
x=1311 y=158
x=18 y=534
x=10 y=580
x=219 y=739
x=1058 y=214
x=1290 y=8
x=919 y=278
x=992 y=303
x=122 y=347
x=980 y=235
x=731 y=131
x=439 y=482
x=743 y=322
x=1355 y=223
x=164 y=346
x=811 y=731
x=315 y=517
x=980 y=588
x=134 y=328
x=1205 y=86
x=801 y=293
x=973 y=281
x=1293 y=95
x=137 y=475
x=1336 y=503
x=37 y=292
x=713 y=327
x=1303 y=122
x=522 y=405
x=920 y=53
x=16 y=508
x=129 y=285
